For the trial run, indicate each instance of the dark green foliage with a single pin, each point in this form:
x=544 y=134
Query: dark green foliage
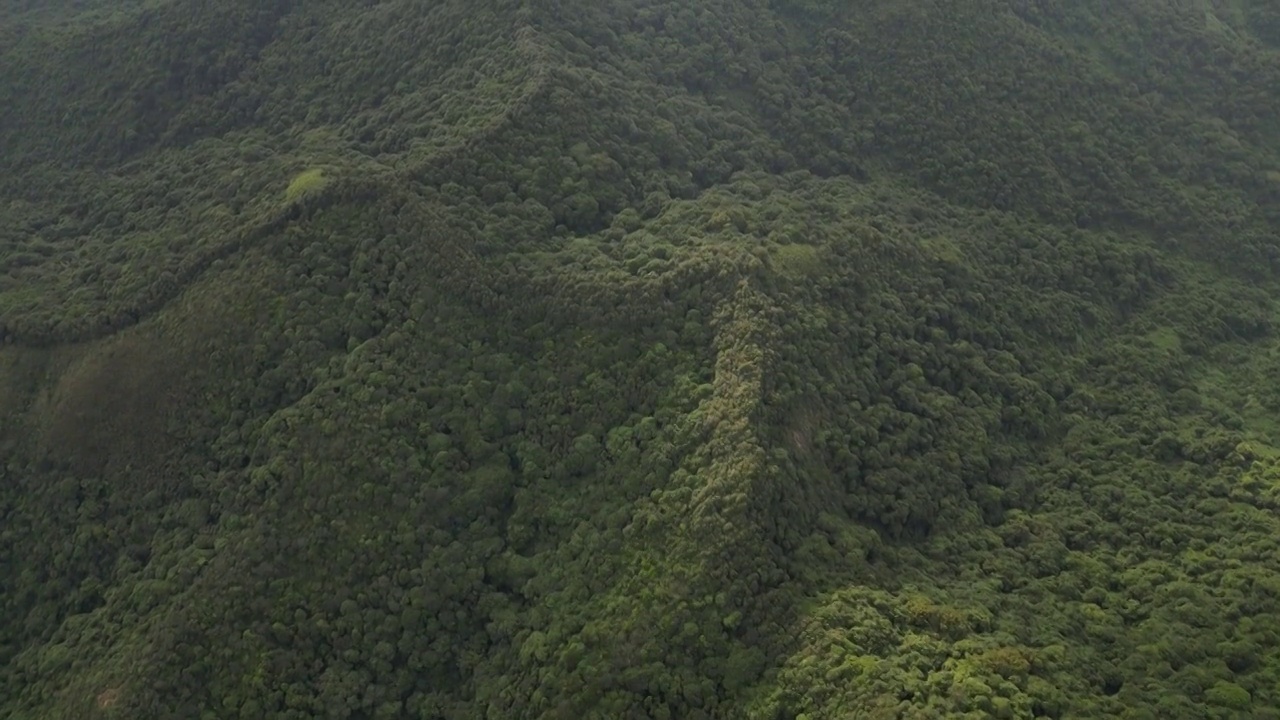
x=767 y=359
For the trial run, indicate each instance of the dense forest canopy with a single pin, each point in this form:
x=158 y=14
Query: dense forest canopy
x=768 y=359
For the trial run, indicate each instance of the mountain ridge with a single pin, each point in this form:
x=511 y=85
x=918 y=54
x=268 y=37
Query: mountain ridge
x=641 y=360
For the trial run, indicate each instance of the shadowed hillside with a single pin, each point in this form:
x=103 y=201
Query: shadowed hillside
x=768 y=359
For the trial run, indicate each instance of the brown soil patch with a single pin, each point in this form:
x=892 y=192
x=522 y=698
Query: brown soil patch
x=107 y=698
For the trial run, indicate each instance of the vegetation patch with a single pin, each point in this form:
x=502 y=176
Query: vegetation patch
x=305 y=184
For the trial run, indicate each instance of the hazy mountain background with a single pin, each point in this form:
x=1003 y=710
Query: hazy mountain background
x=789 y=359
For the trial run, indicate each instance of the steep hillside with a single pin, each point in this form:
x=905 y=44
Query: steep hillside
x=767 y=359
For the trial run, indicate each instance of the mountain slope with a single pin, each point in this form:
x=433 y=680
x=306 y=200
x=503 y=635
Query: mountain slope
x=768 y=359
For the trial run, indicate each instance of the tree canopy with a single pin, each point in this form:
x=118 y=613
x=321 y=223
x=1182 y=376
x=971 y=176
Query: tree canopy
x=767 y=359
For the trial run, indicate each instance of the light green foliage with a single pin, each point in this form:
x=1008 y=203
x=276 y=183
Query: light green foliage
x=305 y=183
x=701 y=360
x=1228 y=695
x=797 y=261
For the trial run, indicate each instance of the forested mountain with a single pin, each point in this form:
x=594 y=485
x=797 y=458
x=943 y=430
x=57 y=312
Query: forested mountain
x=639 y=359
